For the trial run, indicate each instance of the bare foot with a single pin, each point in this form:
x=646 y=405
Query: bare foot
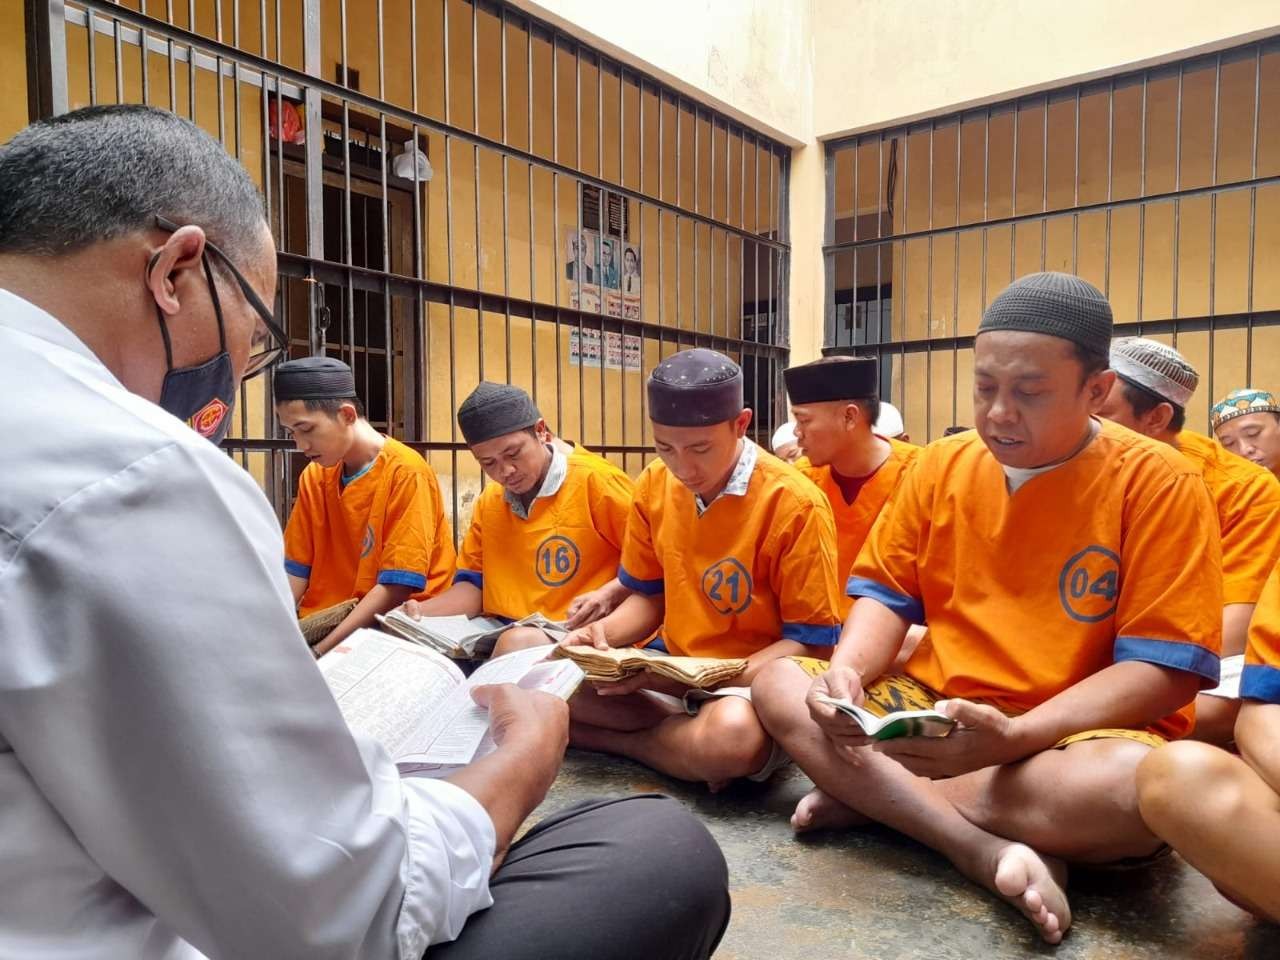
x=1034 y=884
x=818 y=811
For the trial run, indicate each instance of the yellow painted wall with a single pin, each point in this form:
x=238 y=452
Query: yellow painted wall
x=881 y=61
x=941 y=285
x=793 y=66
x=808 y=219
x=935 y=57
x=465 y=245
x=13 y=68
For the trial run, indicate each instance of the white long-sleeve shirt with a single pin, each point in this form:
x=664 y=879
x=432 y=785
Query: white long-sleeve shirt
x=175 y=777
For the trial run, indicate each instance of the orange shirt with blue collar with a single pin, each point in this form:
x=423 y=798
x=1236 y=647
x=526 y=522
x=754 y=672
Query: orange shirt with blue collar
x=1260 y=677
x=754 y=566
x=1113 y=555
x=382 y=525
x=854 y=519
x=566 y=543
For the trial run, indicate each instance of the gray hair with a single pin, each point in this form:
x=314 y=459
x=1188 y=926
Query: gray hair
x=103 y=172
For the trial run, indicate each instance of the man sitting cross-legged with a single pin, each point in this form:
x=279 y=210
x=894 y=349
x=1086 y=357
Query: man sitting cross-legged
x=368 y=524
x=546 y=534
x=733 y=553
x=1038 y=549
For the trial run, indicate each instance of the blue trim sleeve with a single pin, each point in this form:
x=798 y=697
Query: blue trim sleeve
x=650 y=588
x=909 y=608
x=296 y=569
x=1258 y=681
x=473 y=577
x=1190 y=657
x=402 y=578
x=657 y=643
x=812 y=634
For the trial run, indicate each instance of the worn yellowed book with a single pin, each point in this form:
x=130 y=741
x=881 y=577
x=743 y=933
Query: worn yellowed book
x=619 y=663
x=318 y=625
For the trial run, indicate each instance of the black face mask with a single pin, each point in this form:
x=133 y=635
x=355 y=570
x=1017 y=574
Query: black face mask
x=204 y=395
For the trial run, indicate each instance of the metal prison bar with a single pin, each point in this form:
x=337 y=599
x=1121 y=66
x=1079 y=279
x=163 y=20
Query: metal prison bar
x=376 y=268
x=911 y=258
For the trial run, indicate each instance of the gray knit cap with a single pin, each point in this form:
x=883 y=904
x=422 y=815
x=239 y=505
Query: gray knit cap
x=1156 y=368
x=494 y=410
x=1057 y=304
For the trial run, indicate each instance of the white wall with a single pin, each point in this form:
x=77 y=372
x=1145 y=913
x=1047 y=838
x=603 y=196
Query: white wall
x=753 y=59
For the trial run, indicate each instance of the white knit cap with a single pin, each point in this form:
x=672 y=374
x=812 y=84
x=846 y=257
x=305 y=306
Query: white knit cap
x=783 y=435
x=889 y=423
x=1153 y=366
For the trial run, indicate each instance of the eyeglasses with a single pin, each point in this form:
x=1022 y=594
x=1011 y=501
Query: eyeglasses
x=269 y=339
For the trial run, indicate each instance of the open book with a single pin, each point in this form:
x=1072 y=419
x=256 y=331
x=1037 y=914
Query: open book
x=902 y=723
x=318 y=625
x=460 y=637
x=417 y=703
x=622 y=662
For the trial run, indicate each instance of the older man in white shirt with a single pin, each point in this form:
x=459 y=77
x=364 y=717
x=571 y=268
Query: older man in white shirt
x=175 y=779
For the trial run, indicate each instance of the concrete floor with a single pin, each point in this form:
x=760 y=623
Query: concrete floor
x=872 y=895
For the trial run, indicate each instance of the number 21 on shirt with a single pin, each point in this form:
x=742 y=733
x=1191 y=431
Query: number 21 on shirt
x=727 y=585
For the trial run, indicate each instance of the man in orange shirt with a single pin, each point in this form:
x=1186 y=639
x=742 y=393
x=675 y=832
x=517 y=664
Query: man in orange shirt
x=1221 y=812
x=545 y=535
x=1066 y=633
x=733 y=553
x=835 y=402
x=1247 y=422
x=368 y=523
x=1154 y=384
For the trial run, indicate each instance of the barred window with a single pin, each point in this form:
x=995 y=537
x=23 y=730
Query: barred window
x=460 y=191
x=1161 y=187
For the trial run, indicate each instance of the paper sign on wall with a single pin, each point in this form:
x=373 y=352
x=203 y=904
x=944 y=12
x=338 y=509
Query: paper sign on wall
x=621 y=352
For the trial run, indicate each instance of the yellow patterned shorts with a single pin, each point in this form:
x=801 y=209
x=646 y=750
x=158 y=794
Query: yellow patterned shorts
x=900 y=692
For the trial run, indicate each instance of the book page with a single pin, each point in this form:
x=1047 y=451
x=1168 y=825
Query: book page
x=459 y=629
x=388 y=688
x=901 y=723
x=447 y=627
x=459 y=724
x=456 y=636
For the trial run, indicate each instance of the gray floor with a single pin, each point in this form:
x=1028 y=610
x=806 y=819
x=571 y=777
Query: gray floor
x=874 y=895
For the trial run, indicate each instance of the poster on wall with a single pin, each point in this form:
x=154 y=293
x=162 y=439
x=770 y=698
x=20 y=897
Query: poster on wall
x=631 y=281
x=617 y=210
x=631 y=353
x=581 y=268
x=610 y=276
x=620 y=352
x=584 y=348
x=613 y=351
x=602 y=270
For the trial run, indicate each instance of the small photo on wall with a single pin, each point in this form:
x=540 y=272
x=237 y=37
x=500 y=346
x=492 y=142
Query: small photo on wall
x=631 y=281
x=581 y=269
